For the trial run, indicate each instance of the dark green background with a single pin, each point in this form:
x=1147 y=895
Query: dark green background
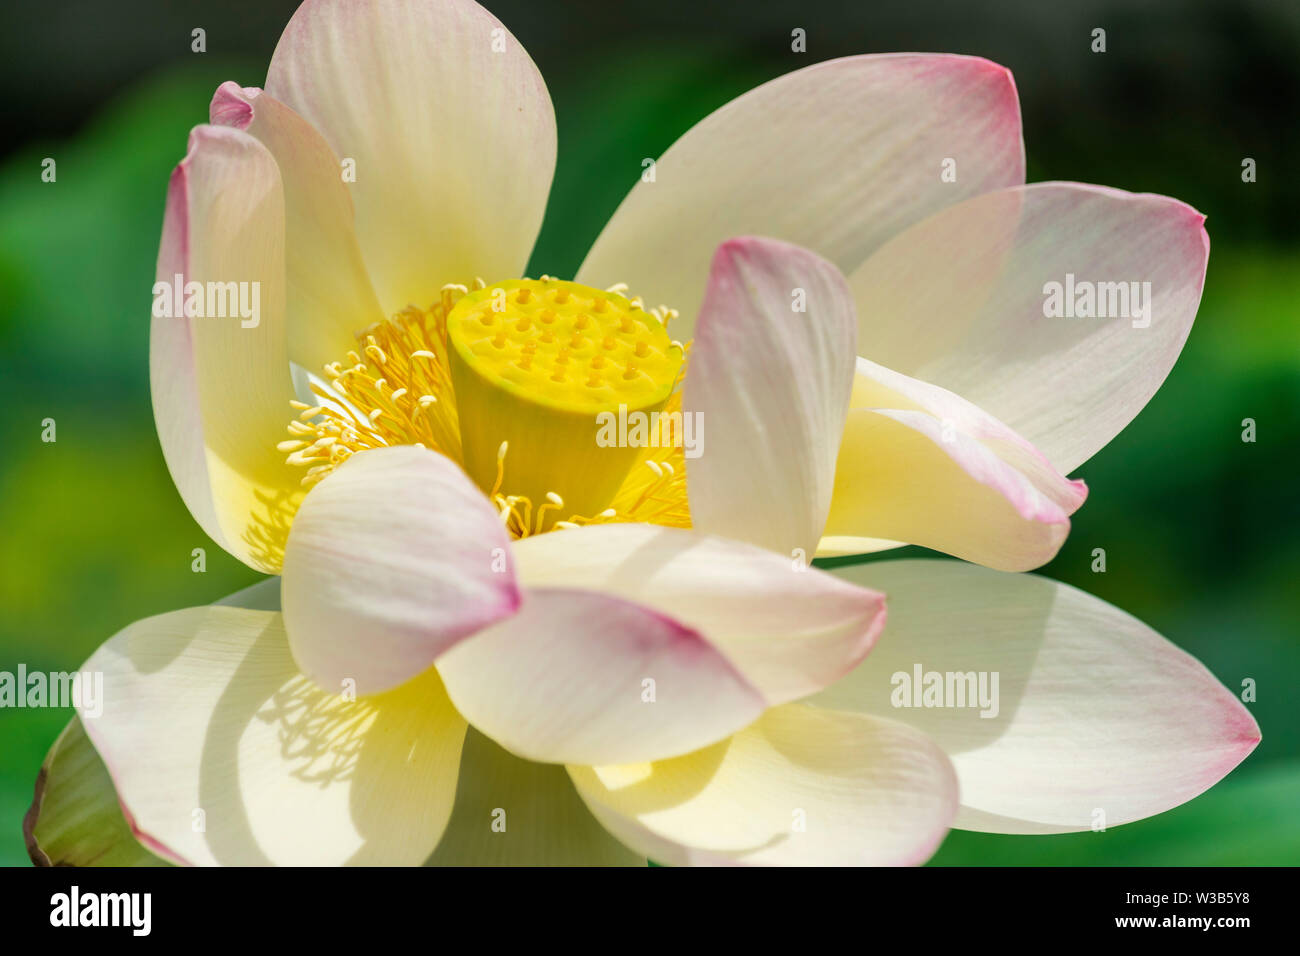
x=1199 y=527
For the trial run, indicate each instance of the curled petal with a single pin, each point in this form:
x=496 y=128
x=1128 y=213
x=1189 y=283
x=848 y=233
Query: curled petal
x=392 y=559
x=585 y=677
x=800 y=787
x=921 y=465
x=220 y=382
x=789 y=629
x=770 y=375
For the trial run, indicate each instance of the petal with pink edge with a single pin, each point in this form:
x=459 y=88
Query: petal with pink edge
x=922 y=465
x=770 y=375
x=583 y=677
x=1094 y=712
x=75 y=818
x=837 y=157
x=450 y=128
x=962 y=300
x=222 y=752
x=789 y=629
x=329 y=293
x=800 y=787
x=220 y=383
x=391 y=560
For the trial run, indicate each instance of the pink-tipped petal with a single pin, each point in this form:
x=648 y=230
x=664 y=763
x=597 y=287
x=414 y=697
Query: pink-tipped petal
x=449 y=127
x=921 y=465
x=789 y=629
x=329 y=294
x=583 y=677
x=1095 y=719
x=391 y=560
x=966 y=300
x=223 y=753
x=837 y=157
x=799 y=787
x=770 y=375
x=220 y=382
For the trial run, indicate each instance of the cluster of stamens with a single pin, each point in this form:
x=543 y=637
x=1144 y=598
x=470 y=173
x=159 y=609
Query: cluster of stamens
x=395 y=389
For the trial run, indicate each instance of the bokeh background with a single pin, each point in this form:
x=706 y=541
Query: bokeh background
x=1200 y=528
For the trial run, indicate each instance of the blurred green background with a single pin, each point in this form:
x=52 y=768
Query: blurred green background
x=1199 y=527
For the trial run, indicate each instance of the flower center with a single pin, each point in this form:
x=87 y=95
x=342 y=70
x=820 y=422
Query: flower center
x=533 y=364
x=563 y=345
x=513 y=381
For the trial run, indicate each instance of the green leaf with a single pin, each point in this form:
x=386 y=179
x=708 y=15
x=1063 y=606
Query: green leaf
x=75 y=819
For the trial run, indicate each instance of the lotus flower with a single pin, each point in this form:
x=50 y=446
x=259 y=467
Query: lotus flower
x=496 y=640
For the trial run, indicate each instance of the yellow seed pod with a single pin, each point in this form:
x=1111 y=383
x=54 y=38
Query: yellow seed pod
x=534 y=362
